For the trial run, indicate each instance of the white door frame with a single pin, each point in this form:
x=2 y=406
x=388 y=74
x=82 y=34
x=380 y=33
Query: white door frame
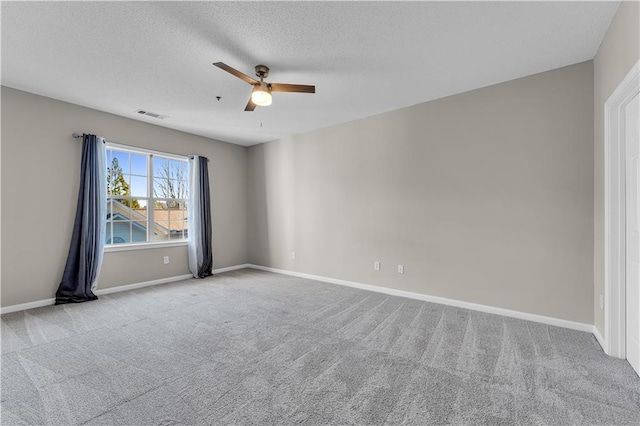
x=614 y=213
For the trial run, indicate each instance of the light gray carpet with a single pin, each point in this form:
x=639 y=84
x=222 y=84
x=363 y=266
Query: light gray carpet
x=251 y=347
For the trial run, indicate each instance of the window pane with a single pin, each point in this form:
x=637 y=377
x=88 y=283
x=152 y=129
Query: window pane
x=181 y=188
x=185 y=216
x=108 y=157
x=138 y=209
x=158 y=235
x=160 y=205
x=185 y=184
x=118 y=183
x=141 y=203
x=160 y=167
x=179 y=169
x=139 y=231
x=161 y=218
x=109 y=208
x=120 y=210
x=169 y=188
x=121 y=232
x=128 y=209
x=171 y=177
x=108 y=234
x=161 y=188
x=120 y=159
x=138 y=186
x=138 y=164
x=159 y=232
x=177 y=219
x=179 y=214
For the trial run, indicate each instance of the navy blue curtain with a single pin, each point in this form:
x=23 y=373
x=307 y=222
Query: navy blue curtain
x=89 y=229
x=199 y=221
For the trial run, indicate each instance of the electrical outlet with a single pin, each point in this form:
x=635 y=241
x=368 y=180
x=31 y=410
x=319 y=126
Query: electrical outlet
x=376 y=266
x=601 y=302
x=401 y=269
x=293 y=255
x=166 y=260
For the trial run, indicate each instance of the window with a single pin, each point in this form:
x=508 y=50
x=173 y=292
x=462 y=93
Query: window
x=146 y=196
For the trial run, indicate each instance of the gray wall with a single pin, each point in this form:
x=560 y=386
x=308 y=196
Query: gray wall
x=40 y=168
x=619 y=51
x=485 y=197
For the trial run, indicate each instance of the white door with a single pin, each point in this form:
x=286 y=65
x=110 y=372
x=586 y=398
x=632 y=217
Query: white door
x=632 y=145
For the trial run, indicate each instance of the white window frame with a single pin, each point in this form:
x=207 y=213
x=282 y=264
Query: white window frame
x=149 y=244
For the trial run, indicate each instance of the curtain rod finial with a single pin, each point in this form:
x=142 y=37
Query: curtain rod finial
x=76 y=135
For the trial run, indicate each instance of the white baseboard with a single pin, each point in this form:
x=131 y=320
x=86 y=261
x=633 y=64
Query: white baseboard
x=394 y=292
x=134 y=286
x=100 y=292
x=440 y=300
x=28 y=305
x=599 y=338
x=230 y=268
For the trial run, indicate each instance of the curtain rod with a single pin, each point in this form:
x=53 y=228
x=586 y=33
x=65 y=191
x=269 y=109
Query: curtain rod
x=80 y=135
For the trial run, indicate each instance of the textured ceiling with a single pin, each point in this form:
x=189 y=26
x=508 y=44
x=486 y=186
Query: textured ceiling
x=365 y=58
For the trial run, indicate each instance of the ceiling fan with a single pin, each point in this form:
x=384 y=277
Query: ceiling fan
x=261 y=94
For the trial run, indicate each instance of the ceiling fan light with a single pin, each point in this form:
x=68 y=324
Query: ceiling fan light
x=261 y=95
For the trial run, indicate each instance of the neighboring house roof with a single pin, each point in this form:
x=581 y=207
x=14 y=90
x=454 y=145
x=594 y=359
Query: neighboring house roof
x=176 y=218
x=162 y=225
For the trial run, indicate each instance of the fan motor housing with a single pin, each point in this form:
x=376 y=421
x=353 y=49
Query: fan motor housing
x=262 y=71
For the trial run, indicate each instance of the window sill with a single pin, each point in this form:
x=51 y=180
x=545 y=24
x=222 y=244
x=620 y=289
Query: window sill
x=127 y=247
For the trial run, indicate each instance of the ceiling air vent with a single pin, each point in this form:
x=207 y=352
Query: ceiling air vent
x=152 y=114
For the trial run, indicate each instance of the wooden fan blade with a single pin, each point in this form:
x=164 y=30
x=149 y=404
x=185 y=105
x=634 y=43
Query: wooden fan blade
x=293 y=88
x=235 y=72
x=250 y=106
